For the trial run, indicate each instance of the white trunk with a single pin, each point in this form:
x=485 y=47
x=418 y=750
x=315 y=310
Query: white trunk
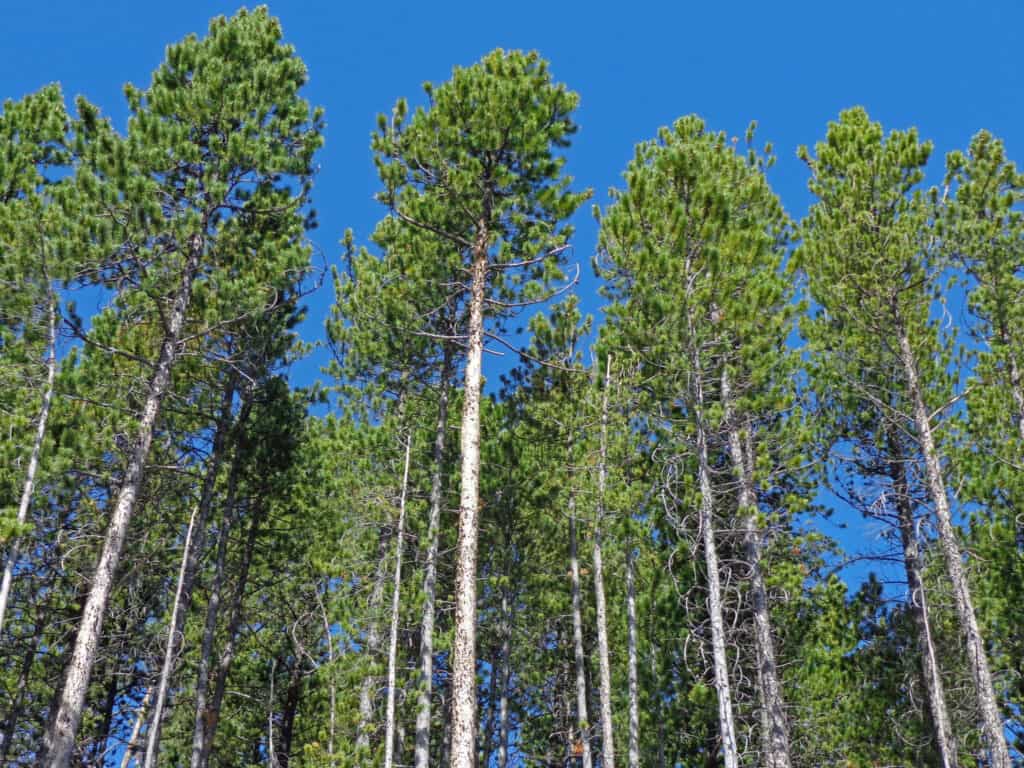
x=577 y=639
x=506 y=669
x=1017 y=390
x=60 y=739
x=132 y=747
x=607 y=734
x=634 y=685
x=389 y=717
x=190 y=556
x=153 y=735
x=918 y=605
x=463 y=748
x=992 y=722
x=774 y=715
x=33 y=462
x=723 y=689
x=423 y=701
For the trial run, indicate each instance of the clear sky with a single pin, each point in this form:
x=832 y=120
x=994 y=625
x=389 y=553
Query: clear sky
x=950 y=68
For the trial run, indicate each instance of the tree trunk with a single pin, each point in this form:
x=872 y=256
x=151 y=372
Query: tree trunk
x=992 y=722
x=366 y=690
x=291 y=709
x=918 y=606
x=423 y=700
x=211 y=717
x=33 y=462
x=389 y=728
x=463 y=749
x=506 y=669
x=202 y=712
x=634 y=685
x=131 y=749
x=723 y=689
x=777 y=737
x=577 y=639
x=607 y=731
x=60 y=738
x=195 y=541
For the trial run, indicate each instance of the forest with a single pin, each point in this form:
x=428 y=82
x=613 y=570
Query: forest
x=499 y=530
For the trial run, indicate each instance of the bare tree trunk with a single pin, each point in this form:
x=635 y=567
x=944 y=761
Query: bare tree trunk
x=33 y=462
x=463 y=749
x=726 y=725
x=60 y=738
x=373 y=639
x=389 y=718
x=506 y=670
x=992 y=722
x=132 y=747
x=607 y=732
x=211 y=718
x=214 y=601
x=777 y=736
x=634 y=685
x=195 y=540
x=918 y=606
x=423 y=700
x=577 y=639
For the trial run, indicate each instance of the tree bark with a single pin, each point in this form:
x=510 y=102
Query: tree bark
x=918 y=606
x=634 y=686
x=195 y=541
x=389 y=718
x=777 y=737
x=992 y=723
x=366 y=690
x=577 y=639
x=33 y=462
x=723 y=689
x=607 y=731
x=506 y=669
x=423 y=700
x=211 y=718
x=291 y=709
x=60 y=738
x=463 y=748
x=132 y=747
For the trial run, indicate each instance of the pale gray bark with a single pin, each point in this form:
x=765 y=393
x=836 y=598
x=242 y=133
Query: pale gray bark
x=992 y=722
x=604 y=664
x=634 y=685
x=60 y=738
x=918 y=605
x=33 y=462
x=194 y=544
x=774 y=715
x=132 y=747
x=505 y=675
x=396 y=593
x=577 y=639
x=463 y=748
x=423 y=701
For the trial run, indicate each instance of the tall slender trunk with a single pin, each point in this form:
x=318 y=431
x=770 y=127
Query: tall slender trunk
x=213 y=604
x=742 y=455
x=992 y=722
x=33 y=462
x=631 y=667
x=389 y=718
x=131 y=749
x=918 y=605
x=577 y=640
x=211 y=718
x=505 y=675
x=726 y=725
x=607 y=731
x=463 y=749
x=291 y=709
x=423 y=699
x=60 y=738
x=373 y=639
x=190 y=556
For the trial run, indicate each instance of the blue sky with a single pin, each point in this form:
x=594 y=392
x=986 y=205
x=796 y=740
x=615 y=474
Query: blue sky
x=950 y=68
